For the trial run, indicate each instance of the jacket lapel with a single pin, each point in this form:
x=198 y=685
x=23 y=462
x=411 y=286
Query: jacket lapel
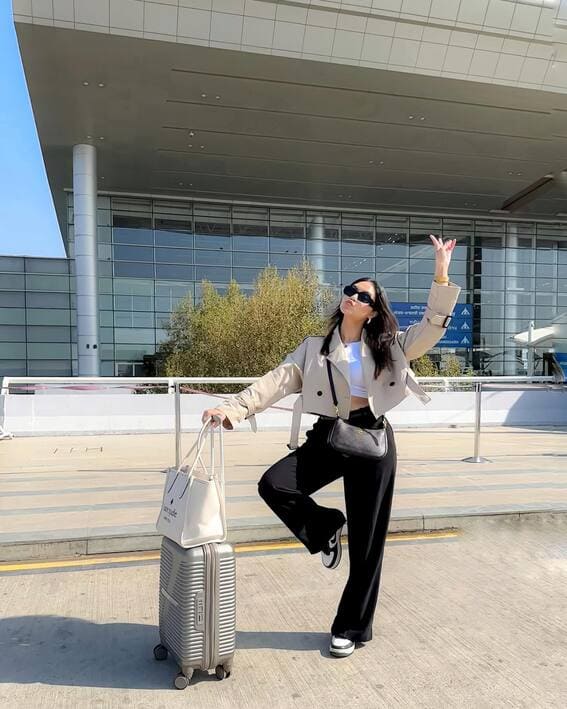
x=338 y=356
x=367 y=362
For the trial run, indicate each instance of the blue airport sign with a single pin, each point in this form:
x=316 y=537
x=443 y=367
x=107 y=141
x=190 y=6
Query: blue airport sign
x=459 y=332
x=561 y=358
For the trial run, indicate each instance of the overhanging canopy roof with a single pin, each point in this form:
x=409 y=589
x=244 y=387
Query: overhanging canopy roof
x=283 y=130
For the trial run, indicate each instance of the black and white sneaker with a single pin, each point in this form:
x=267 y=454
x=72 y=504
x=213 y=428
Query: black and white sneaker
x=341 y=647
x=331 y=555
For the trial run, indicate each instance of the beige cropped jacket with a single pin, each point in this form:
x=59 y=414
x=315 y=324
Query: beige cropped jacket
x=304 y=371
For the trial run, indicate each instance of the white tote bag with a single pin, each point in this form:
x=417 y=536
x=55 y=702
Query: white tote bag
x=193 y=506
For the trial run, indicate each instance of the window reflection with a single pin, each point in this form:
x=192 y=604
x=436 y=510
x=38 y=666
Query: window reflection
x=514 y=271
x=169 y=238
x=133 y=253
x=287 y=223
x=287 y=245
x=142 y=270
x=212 y=220
x=249 y=225
x=286 y=260
x=391 y=243
x=212 y=258
x=250 y=260
x=132 y=229
x=173 y=272
x=179 y=256
x=362 y=262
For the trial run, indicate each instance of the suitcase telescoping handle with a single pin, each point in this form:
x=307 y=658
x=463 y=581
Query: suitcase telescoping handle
x=211 y=430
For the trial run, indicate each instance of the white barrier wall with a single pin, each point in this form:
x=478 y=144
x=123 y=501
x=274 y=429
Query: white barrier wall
x=85 y=413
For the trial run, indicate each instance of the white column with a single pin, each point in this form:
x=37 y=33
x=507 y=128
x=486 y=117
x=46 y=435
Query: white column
x=316 y=236
x=511 y=296
x=84 y=208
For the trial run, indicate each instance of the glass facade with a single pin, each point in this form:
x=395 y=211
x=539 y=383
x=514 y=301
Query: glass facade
x=37 y=317
x=153 y=252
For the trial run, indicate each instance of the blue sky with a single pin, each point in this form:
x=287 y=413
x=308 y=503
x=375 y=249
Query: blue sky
x=28 y=225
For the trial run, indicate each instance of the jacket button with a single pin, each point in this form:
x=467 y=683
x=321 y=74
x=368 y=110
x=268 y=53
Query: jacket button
x=392 y=384
x=319 y=393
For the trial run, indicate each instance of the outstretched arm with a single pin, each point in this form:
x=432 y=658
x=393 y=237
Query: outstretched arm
x=418 y=339
x=285 y=379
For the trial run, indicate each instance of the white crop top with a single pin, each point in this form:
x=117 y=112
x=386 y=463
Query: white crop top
x=357 y=387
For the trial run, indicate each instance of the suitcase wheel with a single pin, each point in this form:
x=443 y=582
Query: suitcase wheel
x=181 y=681
x=160 y=653
x=220 y=672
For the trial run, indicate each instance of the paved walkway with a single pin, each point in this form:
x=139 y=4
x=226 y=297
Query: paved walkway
x=463 y=622
x=109 y=487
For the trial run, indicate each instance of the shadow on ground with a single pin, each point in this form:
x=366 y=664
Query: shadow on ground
x=55 y=650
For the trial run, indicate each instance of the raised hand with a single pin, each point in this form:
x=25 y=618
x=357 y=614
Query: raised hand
x=443 y=253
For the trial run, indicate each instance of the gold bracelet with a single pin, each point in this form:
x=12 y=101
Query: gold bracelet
x=441 y=280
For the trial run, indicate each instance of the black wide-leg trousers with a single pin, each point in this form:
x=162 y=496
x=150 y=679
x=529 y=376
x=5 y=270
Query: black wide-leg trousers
x=368 y=488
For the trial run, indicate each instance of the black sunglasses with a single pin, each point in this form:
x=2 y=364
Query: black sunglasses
x=362 y=295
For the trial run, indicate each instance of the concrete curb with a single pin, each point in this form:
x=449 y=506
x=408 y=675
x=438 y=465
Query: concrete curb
x=85 y=546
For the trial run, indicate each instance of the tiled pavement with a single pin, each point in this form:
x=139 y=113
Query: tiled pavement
x=57 y=488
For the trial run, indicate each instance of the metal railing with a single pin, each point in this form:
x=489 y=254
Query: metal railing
x=26 y=385
x=552 y=382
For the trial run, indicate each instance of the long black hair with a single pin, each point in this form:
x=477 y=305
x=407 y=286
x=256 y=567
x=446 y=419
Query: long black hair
x=380 y=331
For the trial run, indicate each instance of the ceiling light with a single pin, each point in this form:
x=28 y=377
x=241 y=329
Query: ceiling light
x=191 y=133
x=101 y=137
x=349 y=196
x=510 y=172
x=190 y=145
x=201 y=146
x=203 y=95
x=85 y=83
x=381 y=162
x=422 y=118
x=190 y=184
x=217 y=98
x=102 y=85
x=340 y=195
x=89 y=137
x=180 y=184
x=518 y=173
x=371 y=162
x=102 y=178
x=411 y=118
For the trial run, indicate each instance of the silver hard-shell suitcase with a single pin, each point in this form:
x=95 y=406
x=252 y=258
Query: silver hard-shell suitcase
x=197 y=608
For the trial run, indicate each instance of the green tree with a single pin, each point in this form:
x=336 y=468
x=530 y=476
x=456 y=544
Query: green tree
x=234 y=335
x=424 y=366
x=451 y=366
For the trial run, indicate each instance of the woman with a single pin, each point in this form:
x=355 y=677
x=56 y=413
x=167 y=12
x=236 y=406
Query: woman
x=369 y=363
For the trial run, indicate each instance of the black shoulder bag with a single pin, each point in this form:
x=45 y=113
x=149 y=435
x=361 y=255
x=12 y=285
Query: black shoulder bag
x=353 y=440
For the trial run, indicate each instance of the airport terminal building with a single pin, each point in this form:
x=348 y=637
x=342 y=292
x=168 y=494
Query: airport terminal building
x=206 y=139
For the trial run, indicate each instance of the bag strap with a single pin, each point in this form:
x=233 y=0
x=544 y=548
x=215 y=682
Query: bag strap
x=295 y=423
x=199 y=443
x=206 y=430
x=332 y=383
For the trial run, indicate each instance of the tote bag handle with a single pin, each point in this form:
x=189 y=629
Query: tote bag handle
x=199 y=445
